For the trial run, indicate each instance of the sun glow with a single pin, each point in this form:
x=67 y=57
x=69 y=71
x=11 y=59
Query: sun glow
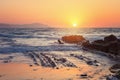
x=74 y=25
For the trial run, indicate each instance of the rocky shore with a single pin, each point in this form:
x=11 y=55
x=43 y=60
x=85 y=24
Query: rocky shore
x=110 y=45
x=86 y=63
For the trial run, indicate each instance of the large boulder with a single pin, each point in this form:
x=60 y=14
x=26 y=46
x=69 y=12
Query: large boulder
x=110 y=38
x=100 y=45
x=73 y=39
x=114 y=48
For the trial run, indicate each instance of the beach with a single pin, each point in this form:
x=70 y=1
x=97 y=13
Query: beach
x=35 y=54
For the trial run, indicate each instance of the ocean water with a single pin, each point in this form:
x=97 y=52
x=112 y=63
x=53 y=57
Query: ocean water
x=17 y=41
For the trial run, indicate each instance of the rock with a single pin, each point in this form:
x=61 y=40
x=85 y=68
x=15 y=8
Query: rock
x=71 y=54
x=30 y=65
x=84 y=75
x=100 y=45
x=86 y=44
x=118 y=74
x=6 y=61
x=110 y=45
x=90 y=62
x=57 y=67
x=114 y=48
x=110 y=38
x=99 y=42
x=115 y=68
x=95 y=63
x=73 y=39
x=60 y=42
x=63 y=60
x=110 y=77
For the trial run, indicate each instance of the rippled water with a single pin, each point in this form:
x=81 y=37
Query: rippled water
x=44 y=39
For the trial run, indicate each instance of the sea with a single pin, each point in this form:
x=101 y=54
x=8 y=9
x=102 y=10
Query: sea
x=18 y=41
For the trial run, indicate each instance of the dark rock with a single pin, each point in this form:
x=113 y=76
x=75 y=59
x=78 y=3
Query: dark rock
x=11 y=57
x=71 y=54
x=118 y=74
x=100 y=45
x=6 y=61
x=110 y=77
x=30 y=65
x=110 y=38
x=99 y=42
x=84 y=75
x=60 y=42
x=57 y=67
x=95 y=63
x=73 y=39
x=63 y=60
x=115 y=68
x=86 y=44
x=114 y=48
x=90 y=62
x=110 y=45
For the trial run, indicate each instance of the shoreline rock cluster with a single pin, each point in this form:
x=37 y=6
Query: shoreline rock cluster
x=110 y=45
x=115 y=69
x=49 y=60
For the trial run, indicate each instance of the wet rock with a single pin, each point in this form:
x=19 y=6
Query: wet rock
x=11 y=57
x=71 y=54
x=114 y=48
x=87 y=60
x=60 y=42
x=111 y=77
x=115 y=68
x=110 y=38
x=63 y=60
x=30 y=65
x=86 y=44
x=73 y=39
x=90 y=62
x=95 y=63
x=118 y=74
x=6 y=61
x=57 y=67
x=110 y=45
x=84 y=75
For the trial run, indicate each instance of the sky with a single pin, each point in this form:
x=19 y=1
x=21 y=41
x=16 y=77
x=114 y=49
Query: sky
x=62 y=13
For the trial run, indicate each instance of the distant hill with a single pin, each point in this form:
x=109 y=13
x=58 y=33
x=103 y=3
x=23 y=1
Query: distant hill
x=33 y=25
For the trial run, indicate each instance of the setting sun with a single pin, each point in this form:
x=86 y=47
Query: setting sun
x=74 y=25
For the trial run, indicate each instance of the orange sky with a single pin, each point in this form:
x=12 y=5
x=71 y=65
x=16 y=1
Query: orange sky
x=63 y=13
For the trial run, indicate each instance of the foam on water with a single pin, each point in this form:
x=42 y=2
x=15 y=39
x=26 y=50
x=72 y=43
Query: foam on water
x=22 y=40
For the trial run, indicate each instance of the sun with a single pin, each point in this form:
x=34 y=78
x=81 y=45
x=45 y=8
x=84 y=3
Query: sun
x=74 y=25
